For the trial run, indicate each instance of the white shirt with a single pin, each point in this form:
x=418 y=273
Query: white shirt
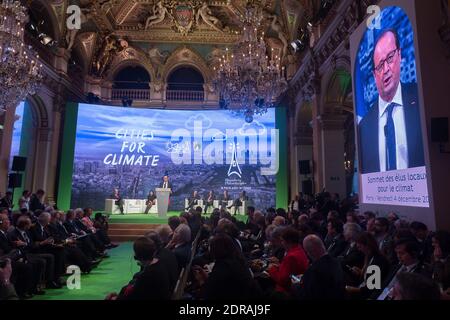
x=398 y=115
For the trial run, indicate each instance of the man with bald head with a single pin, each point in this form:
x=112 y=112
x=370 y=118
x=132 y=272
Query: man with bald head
x=390 y=133
x=324 y=279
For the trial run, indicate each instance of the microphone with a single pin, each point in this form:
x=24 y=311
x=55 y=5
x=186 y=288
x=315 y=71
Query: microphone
x=385 y=131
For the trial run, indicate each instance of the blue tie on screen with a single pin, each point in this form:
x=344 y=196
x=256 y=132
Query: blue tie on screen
x=389 y=132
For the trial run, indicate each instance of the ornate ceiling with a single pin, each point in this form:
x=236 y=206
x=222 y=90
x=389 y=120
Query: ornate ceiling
x=156 y=28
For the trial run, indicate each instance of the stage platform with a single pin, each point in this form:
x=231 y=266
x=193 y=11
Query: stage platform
x=151 y=218
x=129 y=227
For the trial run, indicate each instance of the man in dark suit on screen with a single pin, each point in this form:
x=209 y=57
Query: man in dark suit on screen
x=390 y=135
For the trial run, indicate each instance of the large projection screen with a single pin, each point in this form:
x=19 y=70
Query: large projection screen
x=389 y=114
x=133 y=148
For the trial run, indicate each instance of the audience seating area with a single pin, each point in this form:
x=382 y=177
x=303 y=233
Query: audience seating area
x=323 y=250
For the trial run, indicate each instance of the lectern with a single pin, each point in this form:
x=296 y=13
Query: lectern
x=162 y=203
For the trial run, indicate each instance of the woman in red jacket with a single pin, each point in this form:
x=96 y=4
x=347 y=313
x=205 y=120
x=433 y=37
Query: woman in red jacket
x=295 y=262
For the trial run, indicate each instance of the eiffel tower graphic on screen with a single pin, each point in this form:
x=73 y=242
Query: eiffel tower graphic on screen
x=234 y=165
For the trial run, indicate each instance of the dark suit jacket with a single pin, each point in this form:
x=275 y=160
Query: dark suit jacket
x=5 y=244
x=169 y=185
x=15 y=235
x=420 y=268
x=150 y=284
x=35 y=204
x=336 y=246
x=324 y=280
x=183 y=254
x=170 y=264
x=368 y=133
x=230 y=279
x=72 y=227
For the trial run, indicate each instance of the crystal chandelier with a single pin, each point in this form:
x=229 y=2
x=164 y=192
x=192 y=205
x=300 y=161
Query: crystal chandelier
x=20 y=71
x=248 y=78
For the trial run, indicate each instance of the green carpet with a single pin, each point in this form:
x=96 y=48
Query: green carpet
x=112 y=273
x=109 y=276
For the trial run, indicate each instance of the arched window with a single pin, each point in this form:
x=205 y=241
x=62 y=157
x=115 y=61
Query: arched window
x=132 y=82
x=185 y=84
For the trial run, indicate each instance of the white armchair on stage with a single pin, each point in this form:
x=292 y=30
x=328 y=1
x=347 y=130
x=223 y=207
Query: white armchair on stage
x=129 y=206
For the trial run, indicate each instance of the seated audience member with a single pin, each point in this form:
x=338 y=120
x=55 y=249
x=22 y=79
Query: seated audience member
x=400 y=224
x=293 y=218
x=22 y=239
x=45 y=243
x=96 y=238
x=424 y=236
x=303 y=219
x=316 y=224
x=195 y=223
x=102 y=234
x=90 y=244
x=275 y=247
x=384 y=239
x=294 y=262
x=152 y=281
x=304 y=230
x=413 y=286
x=180 y=245
x=26 y=276
x=173 y=222
x=279 y=221
x=61 y=237
x=333 y=214
x=166 y=257
x=370 y=226
x=334 y=241
x=408 y=252
x=37 y=201
x=367 y=244
x=165 y=234
x=7 y=290
x=351 y=256
x=368 y=215
x=230 y=278
x=441 y=260
x=101 y=222
x=227 y=227
x=324 y=279
x=352 y=217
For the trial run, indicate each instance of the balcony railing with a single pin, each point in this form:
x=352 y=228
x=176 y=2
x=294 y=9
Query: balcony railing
x=185 y=95
x=133 y=94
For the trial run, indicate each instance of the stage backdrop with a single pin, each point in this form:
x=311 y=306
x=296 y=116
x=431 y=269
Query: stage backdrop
x=133 y=148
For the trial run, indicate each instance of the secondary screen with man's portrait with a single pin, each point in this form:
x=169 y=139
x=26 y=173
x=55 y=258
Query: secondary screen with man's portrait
x=390 y=143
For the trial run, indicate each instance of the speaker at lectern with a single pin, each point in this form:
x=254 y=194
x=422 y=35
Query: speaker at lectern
x=162 y=195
